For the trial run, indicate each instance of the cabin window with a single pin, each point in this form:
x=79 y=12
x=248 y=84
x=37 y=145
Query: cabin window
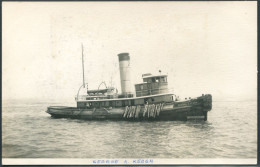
x=96 y=104
x=107 y=104
x=149 y=86
x=139 y=101
x=145 y=86
x=125 y=103
x=163 y=79
x=159 y=99
x=87 y=105
x=114 y=103
x=118 y=103
x=102 y=104
x=136 y=102
x=149 y=100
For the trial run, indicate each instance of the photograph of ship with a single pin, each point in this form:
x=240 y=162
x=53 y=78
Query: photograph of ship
x=152 y=101
x=129 y=83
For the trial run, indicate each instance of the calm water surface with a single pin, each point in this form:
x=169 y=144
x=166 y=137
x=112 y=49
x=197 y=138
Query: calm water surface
x=29 y=132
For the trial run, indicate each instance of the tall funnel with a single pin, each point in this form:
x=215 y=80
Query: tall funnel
x=124 y=65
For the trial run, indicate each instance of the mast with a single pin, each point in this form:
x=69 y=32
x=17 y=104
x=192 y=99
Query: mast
x=83 y=66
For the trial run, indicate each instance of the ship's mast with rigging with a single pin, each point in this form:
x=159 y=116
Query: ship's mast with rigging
x=83 y=65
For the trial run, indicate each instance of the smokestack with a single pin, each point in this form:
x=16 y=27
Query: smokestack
x=124 y=66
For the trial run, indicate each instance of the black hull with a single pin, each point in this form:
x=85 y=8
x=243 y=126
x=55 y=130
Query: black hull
x=174 y=111
x=170 y=115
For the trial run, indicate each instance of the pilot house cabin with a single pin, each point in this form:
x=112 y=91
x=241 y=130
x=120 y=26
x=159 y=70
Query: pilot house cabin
x=152 y=85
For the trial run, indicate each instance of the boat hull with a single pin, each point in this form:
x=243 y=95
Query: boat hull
x=183 y=111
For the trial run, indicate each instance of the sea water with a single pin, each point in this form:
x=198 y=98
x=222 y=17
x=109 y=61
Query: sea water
x=29 y=132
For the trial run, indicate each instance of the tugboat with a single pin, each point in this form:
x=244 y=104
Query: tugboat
x=152 y=101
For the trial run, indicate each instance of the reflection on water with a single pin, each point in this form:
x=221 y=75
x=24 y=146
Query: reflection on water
x=29 y=132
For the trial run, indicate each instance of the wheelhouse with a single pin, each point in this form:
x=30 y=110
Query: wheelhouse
x=152 y=85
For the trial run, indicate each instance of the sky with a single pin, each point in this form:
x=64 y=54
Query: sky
x=204 y=47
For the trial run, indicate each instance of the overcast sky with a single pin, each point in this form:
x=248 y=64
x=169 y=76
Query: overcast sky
x=204 y=47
